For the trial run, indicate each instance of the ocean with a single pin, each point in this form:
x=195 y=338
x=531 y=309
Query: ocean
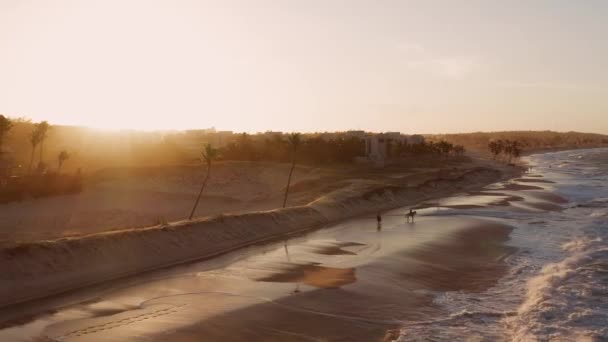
x=557 y=285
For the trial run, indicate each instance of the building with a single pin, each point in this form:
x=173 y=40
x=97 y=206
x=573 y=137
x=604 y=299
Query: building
x=378 y=146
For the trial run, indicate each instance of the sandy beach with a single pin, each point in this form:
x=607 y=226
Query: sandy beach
x=37 y=269
x=350 y=281
x=467 y=267
x=326 y=171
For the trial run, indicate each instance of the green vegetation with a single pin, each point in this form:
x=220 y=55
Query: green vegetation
x=529 y=141
x=61 y=158
x=5 y=126
x=441 y=148
x=511 y=149
x=37 y=138
x=314 y=149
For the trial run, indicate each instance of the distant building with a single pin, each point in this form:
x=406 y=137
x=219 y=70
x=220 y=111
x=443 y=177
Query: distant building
x=378 y=145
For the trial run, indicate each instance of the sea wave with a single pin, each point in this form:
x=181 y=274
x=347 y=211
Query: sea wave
x=557 y=286
x=568 y=300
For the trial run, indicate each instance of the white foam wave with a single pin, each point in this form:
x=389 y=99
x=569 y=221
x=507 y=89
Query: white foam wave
x=568 y=299
x=557 y=285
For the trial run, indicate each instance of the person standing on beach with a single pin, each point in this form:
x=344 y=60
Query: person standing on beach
x=379 y=219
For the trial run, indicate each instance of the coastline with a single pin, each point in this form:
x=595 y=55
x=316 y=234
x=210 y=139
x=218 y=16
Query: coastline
x=558 y=149
x=68 y=264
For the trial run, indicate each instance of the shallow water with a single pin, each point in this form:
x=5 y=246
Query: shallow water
x=350 y=282
x=557 y=284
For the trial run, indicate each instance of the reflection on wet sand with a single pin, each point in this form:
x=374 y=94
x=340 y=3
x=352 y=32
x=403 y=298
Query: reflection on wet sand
x=384 y=279
x=526 y=180
x=518 y=187
x=314 y=275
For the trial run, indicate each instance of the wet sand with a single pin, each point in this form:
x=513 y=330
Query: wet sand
x=351 y=282
x=534 y=180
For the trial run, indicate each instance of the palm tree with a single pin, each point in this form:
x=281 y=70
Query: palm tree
x=445 y=148
x=5 y=126
x=43 y=128
x=496 y=147
x=294 y=140
x=209 y=154
x=512 y=149
x=34 y=141
x=61 y=158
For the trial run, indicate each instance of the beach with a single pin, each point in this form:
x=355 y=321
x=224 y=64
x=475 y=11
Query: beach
x=348 y=282
x=42 y=268
x=490 y=263
x=303 y=171
x=314 y=264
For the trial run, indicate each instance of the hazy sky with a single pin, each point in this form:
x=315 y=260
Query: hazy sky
x=415 y=66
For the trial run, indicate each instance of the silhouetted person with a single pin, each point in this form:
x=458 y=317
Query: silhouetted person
x=379 y=219
x=411 y=215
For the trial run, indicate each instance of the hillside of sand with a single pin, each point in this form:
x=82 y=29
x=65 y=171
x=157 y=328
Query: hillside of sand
x=123 y=198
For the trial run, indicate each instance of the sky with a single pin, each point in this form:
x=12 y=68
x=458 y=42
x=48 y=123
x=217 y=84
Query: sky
x=423 y=66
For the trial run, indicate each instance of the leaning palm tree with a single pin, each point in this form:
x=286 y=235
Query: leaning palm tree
x=61 y=158
x=294 y=140
x=209 y=154
x=5 y=126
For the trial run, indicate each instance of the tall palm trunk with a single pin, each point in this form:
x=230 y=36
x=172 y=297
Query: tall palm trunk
x=40 y=159
x=293 y=165
x=29 y=169
x=201 y=192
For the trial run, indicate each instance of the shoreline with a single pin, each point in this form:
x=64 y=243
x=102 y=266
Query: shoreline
x=558 y=149
x=70 y=264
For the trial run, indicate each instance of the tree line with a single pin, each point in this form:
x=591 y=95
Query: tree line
x=318 y=150
x=441 y=148
x=37 y=182
x=530 y=140
x=509 y=149
x=37 y=138
x=277 y=148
